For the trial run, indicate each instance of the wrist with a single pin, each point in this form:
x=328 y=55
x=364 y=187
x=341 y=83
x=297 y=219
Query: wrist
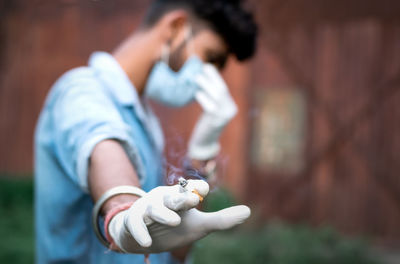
x=116 y=214
x=118 y=201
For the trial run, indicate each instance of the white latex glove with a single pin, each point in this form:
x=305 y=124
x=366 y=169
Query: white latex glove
x=162 y=220
x=218 y=109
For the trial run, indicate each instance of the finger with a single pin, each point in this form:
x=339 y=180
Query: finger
x=226 y=218
x=139 y=231
x=181 y=200
x=200 y=186
x=164 y=215
x=185 y=198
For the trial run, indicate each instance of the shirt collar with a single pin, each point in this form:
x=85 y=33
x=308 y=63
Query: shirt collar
x=112 y=73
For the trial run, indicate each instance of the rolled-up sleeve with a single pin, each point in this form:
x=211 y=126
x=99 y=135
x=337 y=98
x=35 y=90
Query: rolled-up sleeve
x=84 y=115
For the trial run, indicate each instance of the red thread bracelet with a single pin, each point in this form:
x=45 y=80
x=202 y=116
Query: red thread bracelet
x=108 y=218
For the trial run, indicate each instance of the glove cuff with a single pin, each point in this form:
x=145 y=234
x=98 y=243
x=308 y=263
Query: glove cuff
x=113 y=212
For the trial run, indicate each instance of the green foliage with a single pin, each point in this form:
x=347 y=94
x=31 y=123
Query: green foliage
x=281 y=244
x=277 y=243
x=16 y=221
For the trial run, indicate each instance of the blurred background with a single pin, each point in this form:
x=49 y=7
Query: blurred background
x=315 y=149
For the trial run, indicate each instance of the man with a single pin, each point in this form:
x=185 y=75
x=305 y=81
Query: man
x=98 y=146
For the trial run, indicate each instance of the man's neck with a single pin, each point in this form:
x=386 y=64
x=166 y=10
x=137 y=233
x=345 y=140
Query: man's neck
x=136 y=55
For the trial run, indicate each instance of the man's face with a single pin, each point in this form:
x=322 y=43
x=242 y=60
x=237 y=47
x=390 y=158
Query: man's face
x=205 y=43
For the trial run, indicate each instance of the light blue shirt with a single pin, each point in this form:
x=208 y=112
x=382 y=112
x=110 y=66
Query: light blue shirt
x=85 y=106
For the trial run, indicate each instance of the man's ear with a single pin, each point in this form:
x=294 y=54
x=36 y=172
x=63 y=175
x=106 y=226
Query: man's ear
x=172 y=24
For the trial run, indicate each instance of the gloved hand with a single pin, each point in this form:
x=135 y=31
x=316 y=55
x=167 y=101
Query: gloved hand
x=218 y=109
x=164 y=219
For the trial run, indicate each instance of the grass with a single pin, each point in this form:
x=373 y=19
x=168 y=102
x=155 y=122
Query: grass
x=16 y=221
x=272 y=243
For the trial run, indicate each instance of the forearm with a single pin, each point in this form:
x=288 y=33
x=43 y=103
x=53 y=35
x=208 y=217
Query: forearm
x=111 y=167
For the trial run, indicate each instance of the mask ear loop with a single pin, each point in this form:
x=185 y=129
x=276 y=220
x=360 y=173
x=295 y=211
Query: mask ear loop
x=165 y=54
x=188 y=37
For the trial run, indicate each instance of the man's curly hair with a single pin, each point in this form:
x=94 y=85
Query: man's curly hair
x=227 y=17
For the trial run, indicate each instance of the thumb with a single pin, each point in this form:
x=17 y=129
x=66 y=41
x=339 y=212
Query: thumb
x=226 y=218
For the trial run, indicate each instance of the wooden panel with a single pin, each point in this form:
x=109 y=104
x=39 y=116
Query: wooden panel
x=279 y=130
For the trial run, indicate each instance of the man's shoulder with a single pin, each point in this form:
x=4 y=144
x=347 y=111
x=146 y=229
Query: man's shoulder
x=83 y=73
x=79 y=81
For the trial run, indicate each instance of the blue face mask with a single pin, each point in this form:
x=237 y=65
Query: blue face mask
x=175 y=89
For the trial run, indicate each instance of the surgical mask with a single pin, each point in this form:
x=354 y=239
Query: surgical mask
x=175 y=89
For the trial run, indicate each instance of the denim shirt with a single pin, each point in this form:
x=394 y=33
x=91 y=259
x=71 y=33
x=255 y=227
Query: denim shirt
x=85 y=106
